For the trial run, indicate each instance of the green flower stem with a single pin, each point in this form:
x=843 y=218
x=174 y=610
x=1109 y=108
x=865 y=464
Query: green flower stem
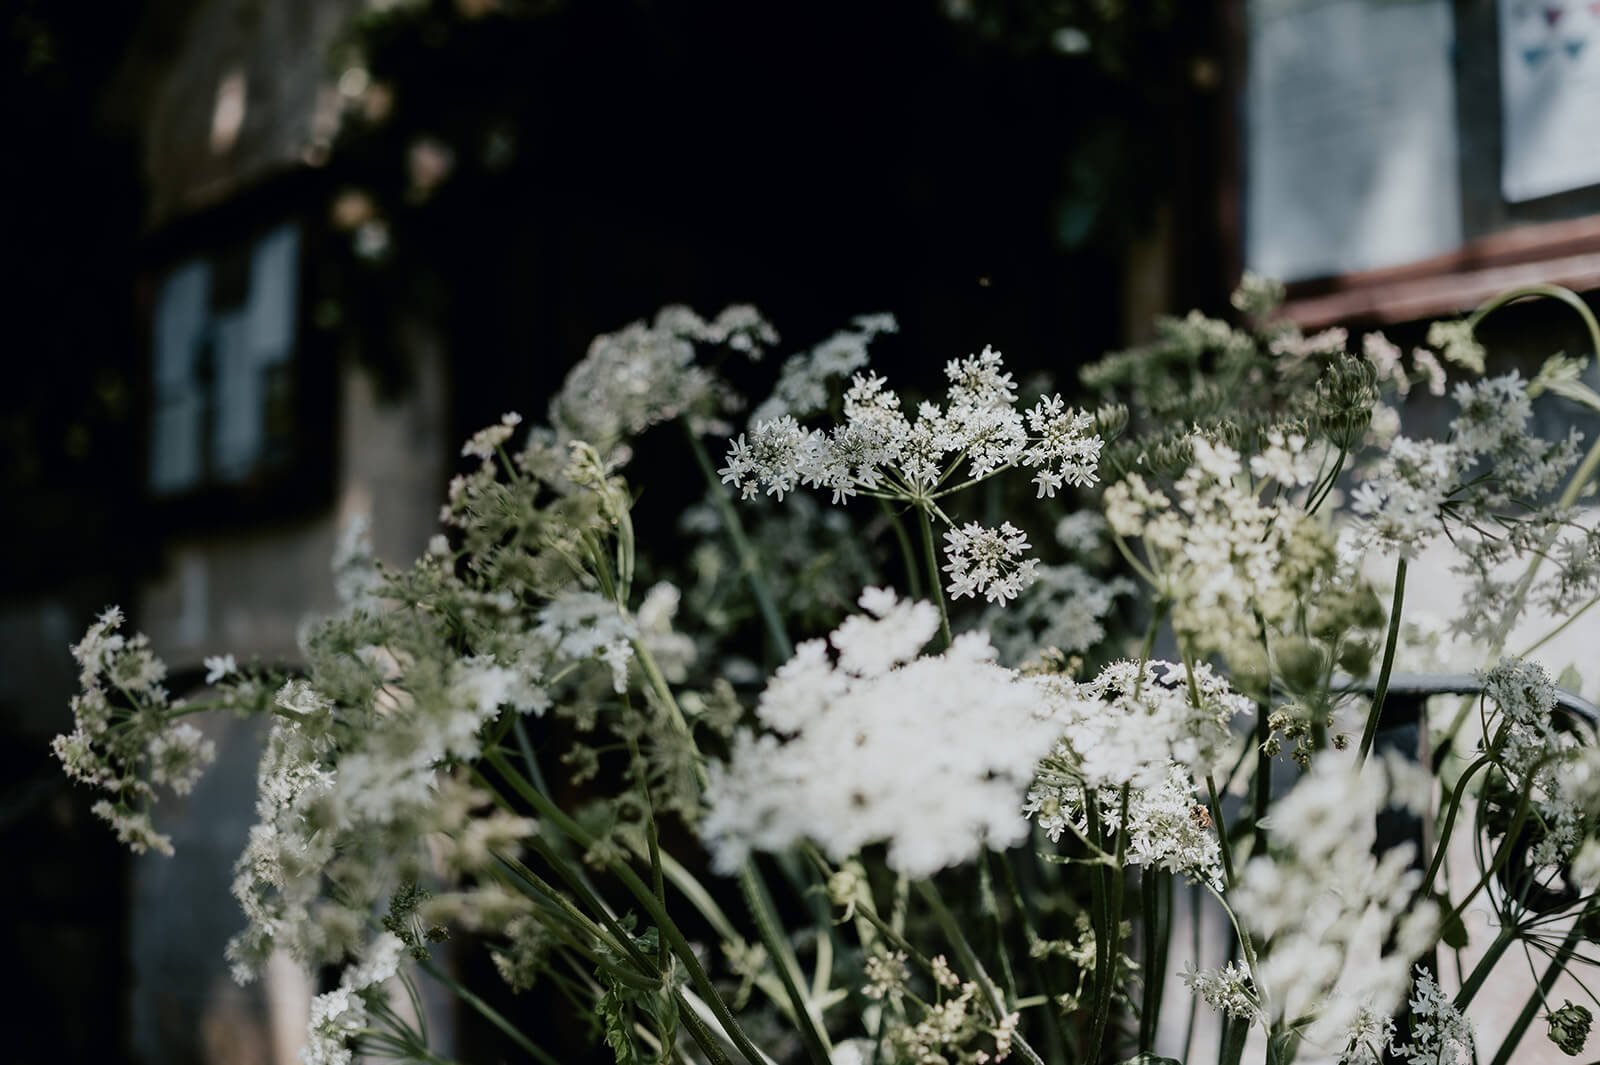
x=1559 y=629
x=1370 y=732
x=702 y=1036
x=1155 y=897
x=1530 y=1009
x=1448 y=826
x=1221 y=827
x=930 y=555
x=1503 y=853
x=1056 y=1039
x=969 y=960
x=652 y=841
x=813 y=1033
x=749 y=561
x=1263 y=781
x=646 y=899
x=779 y=949
x=1480 y=972
x=490 y=1014
x=618 y=936
x=1235 y=1030
x=907 y=557
x=991 y=908
x=1108 y=948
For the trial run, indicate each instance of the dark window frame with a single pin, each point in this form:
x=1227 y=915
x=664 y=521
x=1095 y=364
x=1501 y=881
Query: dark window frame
x=299 y=479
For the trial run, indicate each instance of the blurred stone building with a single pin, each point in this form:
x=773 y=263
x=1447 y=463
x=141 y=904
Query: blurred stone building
x=259 y=438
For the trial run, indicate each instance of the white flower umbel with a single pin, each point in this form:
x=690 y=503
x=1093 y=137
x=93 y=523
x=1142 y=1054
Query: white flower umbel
x=643 y=375
x=930 y=755
x=880 y=451
x=1222 y=554
x=1538 y=757
x=806 y=380
x=1131 y=724
x=1066 y=609
x=340 y=1016
x=1168 y=826
x=1226 y=988
x=1336 y=928
x=1440 y=1034
x=988 y=561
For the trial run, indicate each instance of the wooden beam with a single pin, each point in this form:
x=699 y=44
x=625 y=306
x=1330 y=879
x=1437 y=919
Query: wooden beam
x=1559 y=253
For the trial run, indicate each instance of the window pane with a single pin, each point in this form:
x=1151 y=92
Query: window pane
x=180 y=333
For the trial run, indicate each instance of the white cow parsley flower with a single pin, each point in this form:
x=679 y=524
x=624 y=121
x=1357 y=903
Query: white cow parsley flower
x=220 y=666
x=878 y=448
x=1336 y=927
x=1440 y=1034
x=1131 y=724
x=988 y=561
x=1226 y=988
x=929 y=754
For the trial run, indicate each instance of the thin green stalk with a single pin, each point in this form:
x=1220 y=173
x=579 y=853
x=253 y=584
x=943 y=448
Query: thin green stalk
x=1221 y=826
x=1559 y=629
x=779 y=949
x=1235 y=1030
x=991 y=907
x=1102 y=888
x=1501 y=855
x=908 y=558
x=1552 y=973
x=749 y=561
x=969 y=961
x=1370 y=732
x=1194 y=952
x=1449 y=823
x=1056 y=1039
x=490 y=1014
x=646 y=899
x=812 y=1031
x=1480 y=972
x=652 y=842
x=1155 y=898
x=931 y=556
x=1263 y=781
x=702 y=1036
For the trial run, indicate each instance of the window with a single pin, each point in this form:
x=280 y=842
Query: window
x=224 y=342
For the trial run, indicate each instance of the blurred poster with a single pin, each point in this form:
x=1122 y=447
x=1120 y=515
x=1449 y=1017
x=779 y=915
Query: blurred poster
x=1550 y=88
x=1351 y=135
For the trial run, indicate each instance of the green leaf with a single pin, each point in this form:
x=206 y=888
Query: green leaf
x=1454 y=932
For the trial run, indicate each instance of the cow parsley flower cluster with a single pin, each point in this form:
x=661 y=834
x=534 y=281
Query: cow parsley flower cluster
x=1336 y=927
x=339 y=1017
x=1133 y=722
x=1440 y=1035
x=879 y=451
x=1223 y=555
x=1167 y=827
x=929 y=754
x=515 y=735
x=988 y=562
x=645 y=374
x=1537 y=756
x=127 y=738
x=805 y=383
x=1491 y=469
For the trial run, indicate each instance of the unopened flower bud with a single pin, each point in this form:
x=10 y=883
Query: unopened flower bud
x=843 y=887
x=1355 y=657
x=1300 y=663
x=1569 y=1027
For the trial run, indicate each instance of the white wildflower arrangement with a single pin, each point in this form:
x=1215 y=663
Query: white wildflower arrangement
x=917 y=766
